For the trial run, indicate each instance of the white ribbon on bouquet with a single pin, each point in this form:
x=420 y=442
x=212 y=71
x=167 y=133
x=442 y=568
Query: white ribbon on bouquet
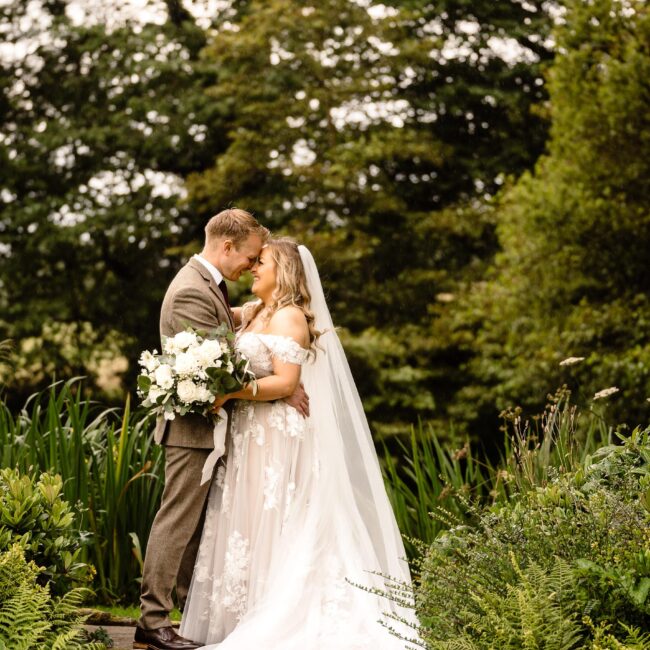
x=219 y=436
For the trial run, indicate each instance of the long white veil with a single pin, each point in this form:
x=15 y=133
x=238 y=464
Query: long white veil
x=341 y=429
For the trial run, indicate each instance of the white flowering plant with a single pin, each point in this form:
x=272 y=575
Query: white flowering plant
x=194 y=368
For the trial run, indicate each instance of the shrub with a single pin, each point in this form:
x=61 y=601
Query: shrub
x=583 y=539
x=430 y=478
x=110 y=467
x=34 y=516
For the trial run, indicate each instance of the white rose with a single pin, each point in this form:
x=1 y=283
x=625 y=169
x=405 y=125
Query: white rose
x=199 y=360
x=149 y=361
x=154 y=393
x=164 y=376
x=186 y=363
x=187 y=391
x=208 y=352
x=203 y=394
x=184 y=340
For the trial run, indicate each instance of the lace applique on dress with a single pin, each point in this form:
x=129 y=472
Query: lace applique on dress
x=272 y=477
x=253 y=428
x=234 y=579
x=286 y=421
x=335 y=591
x=260 y=347
x=285 y=348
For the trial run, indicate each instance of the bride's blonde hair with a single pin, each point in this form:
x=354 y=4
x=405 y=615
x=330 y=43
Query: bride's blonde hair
x=290 y=285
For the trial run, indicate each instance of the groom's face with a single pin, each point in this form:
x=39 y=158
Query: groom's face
x=241 y=258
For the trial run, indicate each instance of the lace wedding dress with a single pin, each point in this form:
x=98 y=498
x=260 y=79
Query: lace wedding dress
x=292 y=529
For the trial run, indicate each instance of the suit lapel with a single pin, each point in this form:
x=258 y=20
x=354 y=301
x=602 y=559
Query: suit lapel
x=207 y=276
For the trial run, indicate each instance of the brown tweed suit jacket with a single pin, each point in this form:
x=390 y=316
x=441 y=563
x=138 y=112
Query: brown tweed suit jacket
x=192 y=299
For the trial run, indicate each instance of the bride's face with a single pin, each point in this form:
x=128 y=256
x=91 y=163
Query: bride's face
x=264 y=275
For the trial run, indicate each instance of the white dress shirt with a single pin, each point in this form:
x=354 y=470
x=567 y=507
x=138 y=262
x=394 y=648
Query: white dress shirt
x=214 y=271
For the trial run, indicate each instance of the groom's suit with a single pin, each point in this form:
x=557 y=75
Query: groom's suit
x=192 y=299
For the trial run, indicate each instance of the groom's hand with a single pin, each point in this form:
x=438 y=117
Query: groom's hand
x=299 y=400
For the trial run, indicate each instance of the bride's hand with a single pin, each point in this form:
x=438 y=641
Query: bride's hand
x=219 y=402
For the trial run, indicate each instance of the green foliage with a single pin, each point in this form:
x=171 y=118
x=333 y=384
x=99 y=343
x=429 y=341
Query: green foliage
x=455 y=116
x=30 y=619
x=486 y=105
x=101 y=635
x=129 y=611
x=34 y=516
x=571 y=279
x=364 y=136
x=110 y=468
x=375 y=134
x=100 y=126
x=604 y=640
x=535 y=613
x=378 y=138
x=430 y=486
x=587 y=531
x=433 y=487
x=558 y=441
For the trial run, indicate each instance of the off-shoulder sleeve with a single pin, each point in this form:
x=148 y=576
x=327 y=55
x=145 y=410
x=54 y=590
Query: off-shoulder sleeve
x=285 y=349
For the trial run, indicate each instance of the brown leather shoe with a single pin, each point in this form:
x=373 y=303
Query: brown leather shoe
x=163 y=638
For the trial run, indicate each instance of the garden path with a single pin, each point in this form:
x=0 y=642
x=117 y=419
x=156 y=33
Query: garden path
x=122 y=635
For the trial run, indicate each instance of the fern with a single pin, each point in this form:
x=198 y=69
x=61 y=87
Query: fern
x=637 y=639
x=24 y=604
x=30 y=619
x=533 y=615
x=604 y=639
x=67 y=631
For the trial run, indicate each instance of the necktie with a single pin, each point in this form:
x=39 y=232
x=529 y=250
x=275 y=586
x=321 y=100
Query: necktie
x=224 y=291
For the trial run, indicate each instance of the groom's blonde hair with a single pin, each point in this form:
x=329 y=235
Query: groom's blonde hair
x=235 y=224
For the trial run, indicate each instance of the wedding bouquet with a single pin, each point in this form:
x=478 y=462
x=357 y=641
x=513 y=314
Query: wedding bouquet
x=194 y=368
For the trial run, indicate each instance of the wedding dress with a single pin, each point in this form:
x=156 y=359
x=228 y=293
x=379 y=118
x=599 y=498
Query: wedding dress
x=298 y=517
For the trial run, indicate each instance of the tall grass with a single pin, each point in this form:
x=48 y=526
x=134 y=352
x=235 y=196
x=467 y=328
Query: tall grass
x=432 y=487
x=110 y=468
x=559 y=440
x=113 y=471
x=428 y=484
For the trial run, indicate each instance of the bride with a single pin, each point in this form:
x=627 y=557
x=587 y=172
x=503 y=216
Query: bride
x=298 y=517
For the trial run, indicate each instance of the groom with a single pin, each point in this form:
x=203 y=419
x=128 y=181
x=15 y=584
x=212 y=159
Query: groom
x=198 y=297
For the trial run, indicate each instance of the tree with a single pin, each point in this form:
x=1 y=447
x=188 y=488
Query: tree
x=572 y=279
x=472 y=73
x=100 y=127
x=344 y=130
x=373 y=133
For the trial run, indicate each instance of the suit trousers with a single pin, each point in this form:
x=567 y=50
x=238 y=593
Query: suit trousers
x=175 y=535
